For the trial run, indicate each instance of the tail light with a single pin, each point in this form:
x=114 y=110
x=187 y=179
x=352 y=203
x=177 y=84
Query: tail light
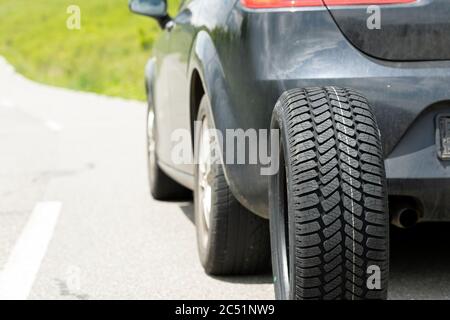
x=260 y=4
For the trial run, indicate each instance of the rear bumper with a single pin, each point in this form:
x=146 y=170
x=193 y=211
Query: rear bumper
x=432 y=196
x=313 y=52
x=414 y=168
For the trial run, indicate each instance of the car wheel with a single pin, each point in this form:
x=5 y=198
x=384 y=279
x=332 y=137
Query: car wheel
x=162 y=187
x=231 y=240
x=328 y=205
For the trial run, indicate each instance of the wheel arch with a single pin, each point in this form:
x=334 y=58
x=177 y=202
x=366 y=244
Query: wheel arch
x=197 y=91
x=150 y=69
x=207 y=77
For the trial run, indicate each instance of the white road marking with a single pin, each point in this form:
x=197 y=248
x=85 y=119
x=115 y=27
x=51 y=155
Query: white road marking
x=21 y=269
x=351 y=194
x=54 y=126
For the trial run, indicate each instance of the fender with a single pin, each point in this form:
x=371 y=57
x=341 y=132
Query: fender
x=150 y=68
x=245 y=181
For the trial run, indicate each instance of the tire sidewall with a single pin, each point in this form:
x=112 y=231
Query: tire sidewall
x=281 y=292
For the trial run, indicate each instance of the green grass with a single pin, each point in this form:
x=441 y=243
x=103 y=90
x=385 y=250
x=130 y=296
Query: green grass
x=107 y=55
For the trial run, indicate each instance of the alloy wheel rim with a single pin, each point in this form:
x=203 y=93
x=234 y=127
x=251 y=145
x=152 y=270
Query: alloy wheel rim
x=151 y=138
x=205 y=177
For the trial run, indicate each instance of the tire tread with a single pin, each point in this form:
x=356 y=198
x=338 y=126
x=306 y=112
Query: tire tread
x=337 y=171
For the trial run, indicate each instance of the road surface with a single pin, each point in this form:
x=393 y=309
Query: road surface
x=77 y=221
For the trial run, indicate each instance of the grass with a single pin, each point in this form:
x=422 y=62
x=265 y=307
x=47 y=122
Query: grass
x=107 y=55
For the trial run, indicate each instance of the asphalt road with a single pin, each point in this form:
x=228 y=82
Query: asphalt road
x=77 y=221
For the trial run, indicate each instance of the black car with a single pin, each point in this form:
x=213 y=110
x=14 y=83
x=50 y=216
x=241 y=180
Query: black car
x=349 y=98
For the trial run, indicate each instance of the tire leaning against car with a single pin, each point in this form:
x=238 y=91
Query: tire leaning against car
x=328 y=202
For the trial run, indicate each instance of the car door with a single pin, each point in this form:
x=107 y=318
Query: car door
x=161 y=96
x=182 y=35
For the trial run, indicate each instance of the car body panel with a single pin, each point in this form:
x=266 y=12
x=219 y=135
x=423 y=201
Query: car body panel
x=412 y=31
x=247 y=58
x=158 y=86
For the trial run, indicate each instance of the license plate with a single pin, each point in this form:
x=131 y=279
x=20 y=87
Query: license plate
x=443 y=136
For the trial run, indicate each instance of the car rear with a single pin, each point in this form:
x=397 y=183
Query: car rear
x=415 y=35
x=348 y=72
x=359 y=94
x=395 y=52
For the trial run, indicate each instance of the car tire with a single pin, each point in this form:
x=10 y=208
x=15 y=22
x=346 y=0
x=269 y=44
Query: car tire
x=231 y=240
x=162 y=187
x=328 y=202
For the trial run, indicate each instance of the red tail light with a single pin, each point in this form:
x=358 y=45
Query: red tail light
x=259 y=4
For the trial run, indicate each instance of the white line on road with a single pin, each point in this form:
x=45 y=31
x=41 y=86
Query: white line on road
x=54 y=126
x=19 y=273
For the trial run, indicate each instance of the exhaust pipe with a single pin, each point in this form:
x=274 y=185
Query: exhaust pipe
x=405 y=217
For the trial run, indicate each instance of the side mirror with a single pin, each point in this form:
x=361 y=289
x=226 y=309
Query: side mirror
x=152 y=8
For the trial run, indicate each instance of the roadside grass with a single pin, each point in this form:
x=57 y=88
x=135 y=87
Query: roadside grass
x=107 y=55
